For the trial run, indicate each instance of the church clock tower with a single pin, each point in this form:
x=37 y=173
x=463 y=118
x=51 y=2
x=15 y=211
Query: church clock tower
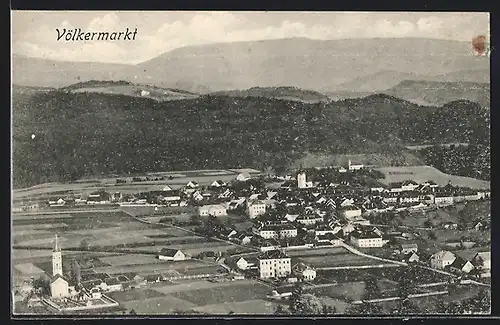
x=56 y=259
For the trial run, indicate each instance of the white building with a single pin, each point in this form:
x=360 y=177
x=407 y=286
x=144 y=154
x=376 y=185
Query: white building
x=443 y=199
x=350 y=212
x=216 y=210
x=442 y=259
x=366 y=239
x=256 y=208
x=304 y=272
x=276 y=231
x=355 y=166
x=144 y=93
x=243 y=177
x=301 y=179
x=245 y=264
x=482 y=260
x=274 y=264
x=59 y=287
x=169 y=254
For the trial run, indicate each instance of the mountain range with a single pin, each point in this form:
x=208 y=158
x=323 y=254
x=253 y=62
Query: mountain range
x=354 y=65
x=90 y=133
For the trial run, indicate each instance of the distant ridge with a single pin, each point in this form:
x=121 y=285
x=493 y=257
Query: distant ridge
x=285 y=93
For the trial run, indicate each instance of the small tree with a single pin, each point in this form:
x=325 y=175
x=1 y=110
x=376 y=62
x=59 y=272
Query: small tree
x=431 y=235
x=280 y=310
x=84 y=245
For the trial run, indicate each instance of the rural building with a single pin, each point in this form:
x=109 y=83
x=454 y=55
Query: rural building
x=218 y=183
x=113 y=284
x=256 y=208
x=59 y=287
x=216 y=210
x=442 y=259
x=144 y=93
x=408 y=248
x=355 y=166
x=274 y=264
x=169 y=254
x=409 y=185
x=192 y=185
x=461 y=265
x=244 y=238
x=304 y=272
x=243 y=177
x=99 y=197
x=482 y=260
x=364 y=239
x=411 y=257
x=167 y=188
x=342 y=170
x=246 y=263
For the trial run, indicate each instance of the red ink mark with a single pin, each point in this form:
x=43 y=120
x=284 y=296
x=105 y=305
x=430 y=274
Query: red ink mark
x=479 y=43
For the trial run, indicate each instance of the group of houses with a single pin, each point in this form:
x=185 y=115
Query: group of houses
x=479 y=262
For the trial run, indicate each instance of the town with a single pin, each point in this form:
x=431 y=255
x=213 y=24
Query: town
x=325 y=230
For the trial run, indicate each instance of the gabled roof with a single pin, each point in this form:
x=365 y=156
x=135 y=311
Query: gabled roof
x=56 y=277
x=276 y=254
x=169 y=252
x=459 y=263
x=485 y=256
x=112 y=281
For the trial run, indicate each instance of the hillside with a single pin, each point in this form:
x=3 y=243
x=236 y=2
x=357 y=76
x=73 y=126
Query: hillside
x=439 y=93
x=320 y=65
x=127 y=88
x=81 y=134
x=376 y=82
x=286 y=93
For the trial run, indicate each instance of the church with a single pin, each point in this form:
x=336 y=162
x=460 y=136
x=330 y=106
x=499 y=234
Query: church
x=59 y=286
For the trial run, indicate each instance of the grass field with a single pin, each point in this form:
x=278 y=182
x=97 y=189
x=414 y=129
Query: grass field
x=318 y=252
x=203 y=177
x=135 y=294
x=349 y=290
x=425 y=173
x=255 y=307
x=339 y=259
x=220 y=295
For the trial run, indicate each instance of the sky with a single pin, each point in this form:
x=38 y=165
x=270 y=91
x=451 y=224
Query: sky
x=34 y=32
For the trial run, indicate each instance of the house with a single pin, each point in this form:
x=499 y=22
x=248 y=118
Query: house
x=245 y=239
x=478 y=226
x=304 y=272
x=482 y=260
x=113 y=284
x=169 y=254
x=342 y=170
x=410 y=257
x=229 y=233
x=167 y=188
x=365 y=239
x=442 y=259
x=461 y=265
x=355 y=166
x=246 y=263
x=274 y=264
x=216 y=210
x=256 y=208
x=351 y=211
x=192 y=185
x=99 y=197
x=449 y=225
x=243 y=177
x=59 y=287
x=218 y=183
x=56 y=202
x=408 y=248
x=144 y=93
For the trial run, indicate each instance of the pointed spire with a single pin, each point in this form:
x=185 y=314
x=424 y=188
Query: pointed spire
x=56 y=244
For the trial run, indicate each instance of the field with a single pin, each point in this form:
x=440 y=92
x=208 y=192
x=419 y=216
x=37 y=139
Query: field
x=130 y=245
x=425 y=173
x=240 y=297
x=179 y=179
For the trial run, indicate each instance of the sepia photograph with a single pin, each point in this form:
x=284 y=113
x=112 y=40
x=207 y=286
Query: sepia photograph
x=276 y=163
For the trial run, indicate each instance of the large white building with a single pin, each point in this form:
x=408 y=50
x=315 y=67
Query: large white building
x=365 y=239
x=256 y=208
x=274 y=264
x=355 y=166
x=216 y=210
x=301 y=179
x=276 y=231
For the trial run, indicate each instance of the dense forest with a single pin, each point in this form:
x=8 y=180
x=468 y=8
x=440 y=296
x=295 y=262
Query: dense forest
x=462 y=160
x=79 y=134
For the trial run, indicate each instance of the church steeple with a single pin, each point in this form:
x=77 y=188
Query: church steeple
x=56 y=245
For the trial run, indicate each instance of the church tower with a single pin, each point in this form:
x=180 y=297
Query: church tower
x=56 y=259
x=301 y=178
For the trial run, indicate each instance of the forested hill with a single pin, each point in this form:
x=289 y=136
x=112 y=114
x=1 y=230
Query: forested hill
x=80 y=134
